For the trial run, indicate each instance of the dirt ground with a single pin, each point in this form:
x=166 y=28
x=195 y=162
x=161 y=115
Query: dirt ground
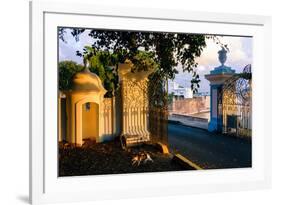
x=110 y=158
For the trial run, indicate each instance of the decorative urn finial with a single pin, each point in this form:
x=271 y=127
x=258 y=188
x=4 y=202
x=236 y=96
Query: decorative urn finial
x=86 y=65
x=222 y=55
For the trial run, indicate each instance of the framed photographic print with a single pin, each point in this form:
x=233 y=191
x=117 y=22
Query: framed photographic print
x=130 y=102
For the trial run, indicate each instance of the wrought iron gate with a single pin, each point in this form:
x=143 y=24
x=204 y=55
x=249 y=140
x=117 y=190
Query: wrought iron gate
x=235 y=104
x=158 y=109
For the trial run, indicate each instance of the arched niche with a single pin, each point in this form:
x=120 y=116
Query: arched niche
x=89 y=123
x=87 y=88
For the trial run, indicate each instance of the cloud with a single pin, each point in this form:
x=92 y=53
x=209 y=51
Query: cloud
x=239 y=55
x=67 y=50
x=201 y=68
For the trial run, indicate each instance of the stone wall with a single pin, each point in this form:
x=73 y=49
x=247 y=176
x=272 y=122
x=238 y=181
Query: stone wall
x=135 y=107
x=134 y=97
x=109 y=117
x=190 y=106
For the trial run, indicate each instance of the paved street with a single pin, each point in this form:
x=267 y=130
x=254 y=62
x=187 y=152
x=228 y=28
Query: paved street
x=190 y=121
x=209 y=150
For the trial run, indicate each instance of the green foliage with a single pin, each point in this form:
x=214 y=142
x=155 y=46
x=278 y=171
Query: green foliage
x=144 y=61
x=66 y=71
x=167 y=50
x=195 y=83
x=170 y=98
x=103 y=64
x=100 y=65
x=164 y=51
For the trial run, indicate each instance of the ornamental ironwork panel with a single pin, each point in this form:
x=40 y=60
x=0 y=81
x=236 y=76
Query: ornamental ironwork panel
x=158 y=109
x=235 y=104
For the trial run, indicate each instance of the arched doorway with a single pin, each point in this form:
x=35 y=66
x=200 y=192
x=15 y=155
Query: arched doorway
x=90 y=121
x=85 y=108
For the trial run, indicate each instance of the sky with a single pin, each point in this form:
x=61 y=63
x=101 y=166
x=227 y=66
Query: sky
x=239 y=55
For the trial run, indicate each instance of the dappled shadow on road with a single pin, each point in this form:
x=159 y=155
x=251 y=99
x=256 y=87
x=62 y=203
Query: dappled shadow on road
x=210 y=150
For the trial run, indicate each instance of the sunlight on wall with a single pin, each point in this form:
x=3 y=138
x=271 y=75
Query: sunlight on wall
x=90 y=118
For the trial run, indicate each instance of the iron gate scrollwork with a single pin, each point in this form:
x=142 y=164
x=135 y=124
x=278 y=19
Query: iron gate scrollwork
x=158 y=109
x=235 y=104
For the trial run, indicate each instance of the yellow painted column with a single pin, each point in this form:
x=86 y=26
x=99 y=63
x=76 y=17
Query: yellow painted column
x=59 y=118
x=79 y=138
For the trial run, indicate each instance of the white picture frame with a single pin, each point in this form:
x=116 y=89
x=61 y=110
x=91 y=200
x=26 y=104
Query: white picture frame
x=46 y=187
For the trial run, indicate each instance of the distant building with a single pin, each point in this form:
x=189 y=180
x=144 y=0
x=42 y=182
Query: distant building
x=179 y=91
x=201 y=94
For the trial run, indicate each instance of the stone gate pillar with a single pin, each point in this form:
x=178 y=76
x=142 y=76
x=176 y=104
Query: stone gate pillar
x=217 y=77
x=134 y=101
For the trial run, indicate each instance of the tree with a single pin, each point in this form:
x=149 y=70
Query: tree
x=162 y=50
x=102 y=63
x=168 y=50
x=66 y=71
x=105 y=65
x=170 y=98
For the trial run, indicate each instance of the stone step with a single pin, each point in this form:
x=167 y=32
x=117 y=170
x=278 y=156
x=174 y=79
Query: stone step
x=133 y=140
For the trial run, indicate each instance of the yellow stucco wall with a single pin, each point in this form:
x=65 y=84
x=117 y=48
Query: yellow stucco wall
x=102 y=122
x=90 y=121
x=87 y=88
x=79 y=121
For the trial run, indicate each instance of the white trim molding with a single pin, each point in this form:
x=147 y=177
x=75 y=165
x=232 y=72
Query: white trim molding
x=46 y=186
